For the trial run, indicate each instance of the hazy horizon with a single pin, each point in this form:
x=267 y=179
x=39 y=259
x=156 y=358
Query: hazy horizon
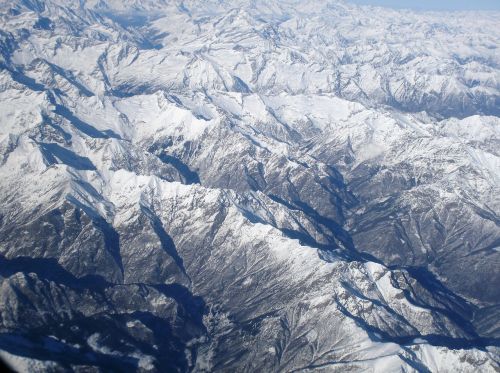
x=434 y=5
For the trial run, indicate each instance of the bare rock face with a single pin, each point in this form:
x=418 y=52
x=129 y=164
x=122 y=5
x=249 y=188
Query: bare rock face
x=248 y=186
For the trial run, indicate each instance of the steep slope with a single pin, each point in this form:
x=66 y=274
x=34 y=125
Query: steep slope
x=252 y=186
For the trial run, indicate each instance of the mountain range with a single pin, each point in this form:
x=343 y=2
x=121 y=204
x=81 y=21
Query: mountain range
x=255 y=186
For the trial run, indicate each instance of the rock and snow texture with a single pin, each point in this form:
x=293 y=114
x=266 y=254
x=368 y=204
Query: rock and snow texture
x=248 y=186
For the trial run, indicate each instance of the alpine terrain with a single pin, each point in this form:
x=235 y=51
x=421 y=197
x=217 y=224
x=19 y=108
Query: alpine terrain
x=248 y=186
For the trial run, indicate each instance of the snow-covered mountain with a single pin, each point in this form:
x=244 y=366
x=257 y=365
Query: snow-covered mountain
x=248 y=186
